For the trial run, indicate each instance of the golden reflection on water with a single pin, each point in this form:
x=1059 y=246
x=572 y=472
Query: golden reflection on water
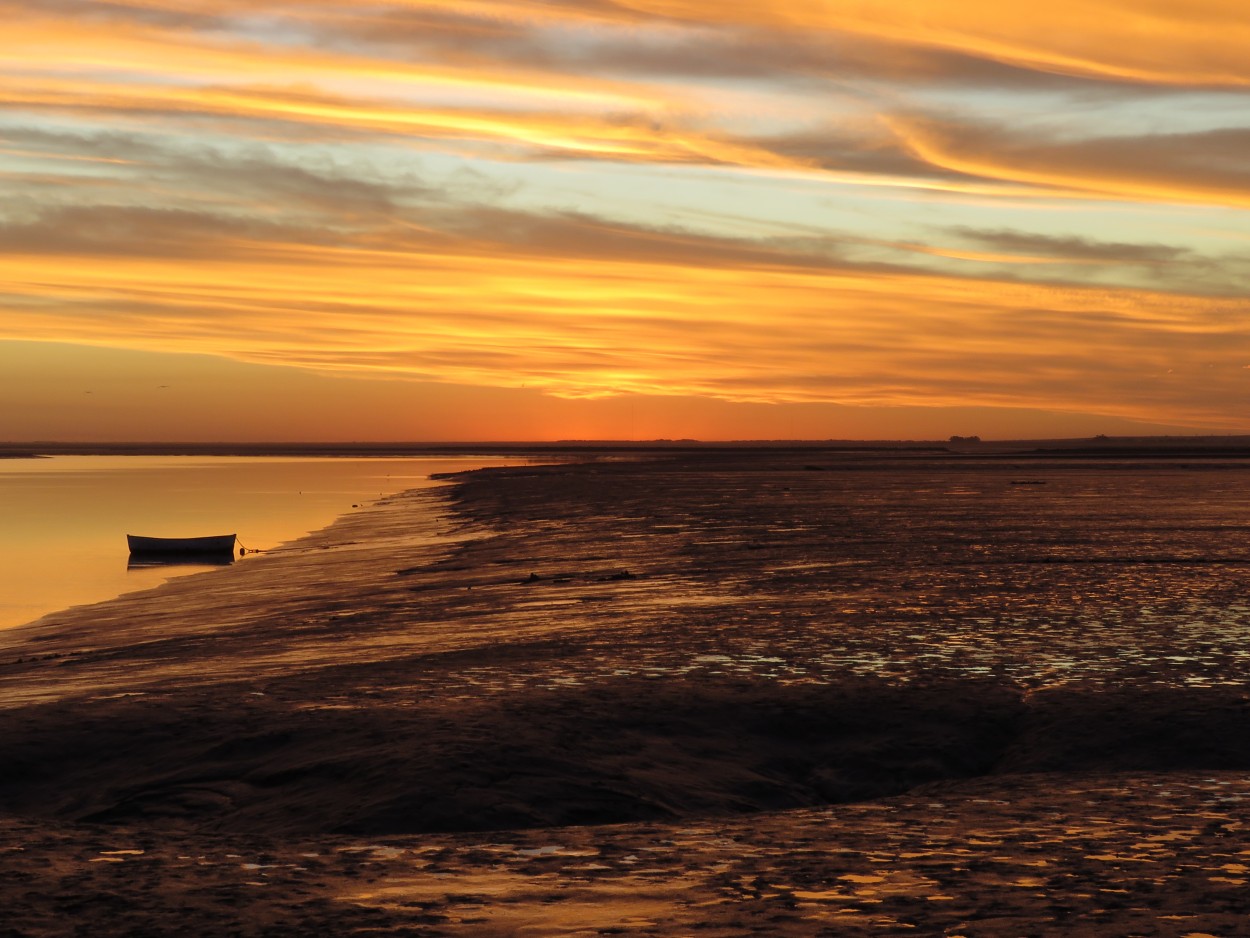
x=66 y=518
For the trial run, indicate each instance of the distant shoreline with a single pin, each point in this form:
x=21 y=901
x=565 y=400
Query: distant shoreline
x=1227 y=446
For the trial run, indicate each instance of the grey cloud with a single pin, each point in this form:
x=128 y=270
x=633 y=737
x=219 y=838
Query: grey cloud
x=831 y=149
x=252 y=175
x=110 y=230
x=1189 y=163
x=153 y=14
x=1072 y=247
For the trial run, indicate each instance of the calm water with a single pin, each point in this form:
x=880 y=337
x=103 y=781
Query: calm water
x=65 y=519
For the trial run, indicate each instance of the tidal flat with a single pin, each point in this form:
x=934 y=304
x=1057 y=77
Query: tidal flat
x=731 y=693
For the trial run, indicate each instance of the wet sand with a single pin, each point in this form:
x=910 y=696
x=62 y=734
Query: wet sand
x=713 y=694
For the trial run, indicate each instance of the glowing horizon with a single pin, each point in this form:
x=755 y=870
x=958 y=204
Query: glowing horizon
x=558 y=215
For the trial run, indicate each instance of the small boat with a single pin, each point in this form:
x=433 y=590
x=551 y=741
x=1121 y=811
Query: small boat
x=215 y=545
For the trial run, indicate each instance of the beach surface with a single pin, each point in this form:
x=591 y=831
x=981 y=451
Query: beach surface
x=724 y=694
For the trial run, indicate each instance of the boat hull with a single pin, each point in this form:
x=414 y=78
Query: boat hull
x=215 y=545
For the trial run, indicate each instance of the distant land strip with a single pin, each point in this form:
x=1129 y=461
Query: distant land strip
x=963 y=447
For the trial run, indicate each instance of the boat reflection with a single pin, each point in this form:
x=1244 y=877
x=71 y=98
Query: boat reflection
x=202 y=559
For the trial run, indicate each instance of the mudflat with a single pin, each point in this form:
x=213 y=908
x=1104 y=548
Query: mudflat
x=720 y=693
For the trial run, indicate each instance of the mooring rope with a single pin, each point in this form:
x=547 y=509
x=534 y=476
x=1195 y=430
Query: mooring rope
x=244 y=550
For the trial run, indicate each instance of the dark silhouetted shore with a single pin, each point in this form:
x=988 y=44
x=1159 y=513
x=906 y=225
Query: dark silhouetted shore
x=703 y=692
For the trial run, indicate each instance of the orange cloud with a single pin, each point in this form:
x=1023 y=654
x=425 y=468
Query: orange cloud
x=579 y=136
x=49 y=45
x=594 y=326
x=1195 y=43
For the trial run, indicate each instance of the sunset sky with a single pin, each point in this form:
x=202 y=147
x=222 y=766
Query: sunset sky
x=546 y=219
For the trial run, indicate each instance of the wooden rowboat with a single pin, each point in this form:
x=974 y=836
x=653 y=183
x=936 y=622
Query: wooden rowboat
x=214 y=545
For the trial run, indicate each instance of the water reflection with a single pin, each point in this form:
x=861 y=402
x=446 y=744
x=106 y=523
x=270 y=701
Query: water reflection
x=193 y=559
x=65 y=518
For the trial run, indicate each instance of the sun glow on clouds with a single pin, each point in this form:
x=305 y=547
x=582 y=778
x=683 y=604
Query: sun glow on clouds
x=792 y=203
